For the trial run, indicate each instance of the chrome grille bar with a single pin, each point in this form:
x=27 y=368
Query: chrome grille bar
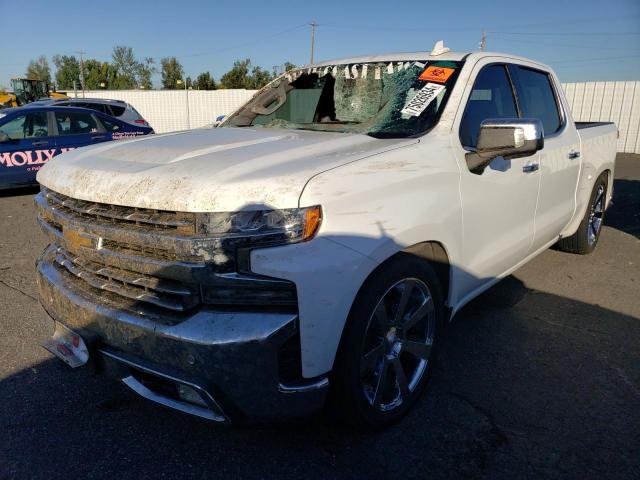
x=180 y=221
x=163 y=293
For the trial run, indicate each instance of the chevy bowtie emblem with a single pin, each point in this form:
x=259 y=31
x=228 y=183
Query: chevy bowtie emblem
x=75 y=240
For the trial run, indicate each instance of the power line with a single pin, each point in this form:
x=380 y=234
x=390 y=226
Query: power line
x=587 y=60
x=252 y=42
x=491 y=28
x=566 y=33
x=554 y=44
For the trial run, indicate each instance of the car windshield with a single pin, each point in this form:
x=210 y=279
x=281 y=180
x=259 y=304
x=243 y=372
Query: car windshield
x=397 y=99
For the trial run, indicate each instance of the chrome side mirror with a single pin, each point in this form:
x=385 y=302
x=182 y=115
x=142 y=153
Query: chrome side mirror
x=505 y=137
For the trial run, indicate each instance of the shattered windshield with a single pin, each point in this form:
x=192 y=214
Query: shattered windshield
x=397 y=99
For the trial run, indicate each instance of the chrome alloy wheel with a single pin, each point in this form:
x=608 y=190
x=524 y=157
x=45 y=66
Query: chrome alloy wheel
x=595 y=216
x=397 y=344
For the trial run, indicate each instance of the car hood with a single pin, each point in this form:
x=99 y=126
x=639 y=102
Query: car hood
x=207 y=170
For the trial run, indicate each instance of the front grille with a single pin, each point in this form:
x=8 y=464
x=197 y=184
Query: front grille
x=132 y=256
x=177 y=222
x=163 y=293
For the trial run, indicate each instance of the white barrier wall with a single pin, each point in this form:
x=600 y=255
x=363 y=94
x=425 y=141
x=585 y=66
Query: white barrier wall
x=617 y=102
x=166 y=110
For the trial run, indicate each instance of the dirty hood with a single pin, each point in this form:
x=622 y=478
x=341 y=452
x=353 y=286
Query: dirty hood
x=207 y=170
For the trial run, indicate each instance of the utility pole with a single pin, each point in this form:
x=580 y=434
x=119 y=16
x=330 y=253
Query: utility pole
x=81 y=53
x=483 y=42
x=313 y=38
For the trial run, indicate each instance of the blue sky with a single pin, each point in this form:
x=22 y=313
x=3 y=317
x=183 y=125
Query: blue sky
x=582 y=39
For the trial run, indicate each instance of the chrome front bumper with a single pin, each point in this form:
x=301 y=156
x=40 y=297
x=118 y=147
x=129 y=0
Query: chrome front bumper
x=232 y=359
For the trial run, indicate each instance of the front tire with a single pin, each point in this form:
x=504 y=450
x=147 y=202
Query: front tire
x=388 y=348
x=585 y=239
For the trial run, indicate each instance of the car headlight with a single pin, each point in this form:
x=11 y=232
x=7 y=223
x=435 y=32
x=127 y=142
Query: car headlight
x=294 y=224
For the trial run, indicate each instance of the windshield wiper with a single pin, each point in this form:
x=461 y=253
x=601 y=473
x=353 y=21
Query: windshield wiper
x=382 y=135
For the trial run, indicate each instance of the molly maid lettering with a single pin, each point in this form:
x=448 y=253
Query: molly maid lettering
x=30 y=157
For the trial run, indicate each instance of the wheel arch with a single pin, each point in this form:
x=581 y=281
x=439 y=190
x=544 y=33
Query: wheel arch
x=436 y=254
x=582 y=199
x=430 y=251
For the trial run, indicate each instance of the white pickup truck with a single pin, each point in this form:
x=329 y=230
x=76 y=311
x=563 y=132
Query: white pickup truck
x=310 y=249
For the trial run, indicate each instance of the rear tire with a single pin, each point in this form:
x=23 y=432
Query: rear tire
x=585 y=239
x=388 y=348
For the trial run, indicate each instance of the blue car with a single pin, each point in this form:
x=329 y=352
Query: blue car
x=31 y=136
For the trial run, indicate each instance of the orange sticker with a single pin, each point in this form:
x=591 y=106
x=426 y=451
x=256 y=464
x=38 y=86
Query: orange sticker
x=436 y=74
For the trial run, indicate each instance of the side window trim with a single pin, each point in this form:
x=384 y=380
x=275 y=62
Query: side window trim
x=556 y=97
x=514 y=90
x=505 y=65
x=98 y=120
x=51 y=124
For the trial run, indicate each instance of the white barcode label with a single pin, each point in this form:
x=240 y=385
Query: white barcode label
x=422 y=99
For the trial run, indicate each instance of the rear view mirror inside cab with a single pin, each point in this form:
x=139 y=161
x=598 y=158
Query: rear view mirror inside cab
x=270 y=99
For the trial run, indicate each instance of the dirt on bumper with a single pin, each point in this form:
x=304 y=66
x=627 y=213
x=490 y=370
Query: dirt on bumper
x=233 y=354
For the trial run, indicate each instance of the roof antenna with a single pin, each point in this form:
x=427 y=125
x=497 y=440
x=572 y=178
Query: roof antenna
x=439 y=49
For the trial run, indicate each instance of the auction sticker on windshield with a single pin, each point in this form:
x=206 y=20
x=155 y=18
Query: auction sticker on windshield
x=436 y=74
x=421 y=100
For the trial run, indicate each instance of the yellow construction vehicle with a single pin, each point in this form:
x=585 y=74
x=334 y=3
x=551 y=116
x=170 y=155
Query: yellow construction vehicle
x=26 y=90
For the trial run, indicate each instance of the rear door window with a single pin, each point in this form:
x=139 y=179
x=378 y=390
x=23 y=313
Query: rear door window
x=75 y=123
x=115 y=110
x=536 y=97
x=98 y=107
x=491 y=97
x=31 y=125
x=110 y=126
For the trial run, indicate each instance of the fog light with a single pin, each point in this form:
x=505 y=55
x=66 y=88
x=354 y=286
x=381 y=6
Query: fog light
x=189 y=394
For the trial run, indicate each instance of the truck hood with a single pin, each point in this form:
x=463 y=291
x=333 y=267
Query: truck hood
x=207 y=170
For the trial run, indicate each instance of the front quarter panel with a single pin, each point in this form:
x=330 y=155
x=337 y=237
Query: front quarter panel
x=372 y=209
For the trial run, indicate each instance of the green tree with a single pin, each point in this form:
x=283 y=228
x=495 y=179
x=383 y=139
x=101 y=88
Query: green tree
x=38 y=69
x=67 y=71
x=126 y=67
x=243 y=75
x=146 y=69
x=98 y=75
x=259 y=78
x=238 y=76
x=189 y=82
x=289 y=66
x=205 y=81
x=171 y=72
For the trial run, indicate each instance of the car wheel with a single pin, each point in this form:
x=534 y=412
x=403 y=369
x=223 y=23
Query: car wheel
x=388 y=348
x=586 y=237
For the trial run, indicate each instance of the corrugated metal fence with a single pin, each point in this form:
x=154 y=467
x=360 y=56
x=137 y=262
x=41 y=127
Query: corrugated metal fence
x=166 y=110
x=617 y=102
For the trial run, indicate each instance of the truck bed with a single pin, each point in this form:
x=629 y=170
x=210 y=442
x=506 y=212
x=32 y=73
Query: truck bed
x=582 y=125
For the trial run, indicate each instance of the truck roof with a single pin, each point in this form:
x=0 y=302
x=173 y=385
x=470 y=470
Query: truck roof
x=421 y=55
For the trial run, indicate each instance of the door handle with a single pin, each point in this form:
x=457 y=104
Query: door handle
x=573 y=154
x=40 y=144
x=530 y=167
x=98 y=137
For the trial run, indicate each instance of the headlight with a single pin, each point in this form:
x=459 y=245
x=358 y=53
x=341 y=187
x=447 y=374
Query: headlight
x=294 y=224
